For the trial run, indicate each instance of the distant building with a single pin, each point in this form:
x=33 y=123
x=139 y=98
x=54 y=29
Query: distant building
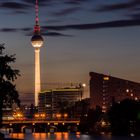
x=51 y=101
x=7 y=113
x=105 y=90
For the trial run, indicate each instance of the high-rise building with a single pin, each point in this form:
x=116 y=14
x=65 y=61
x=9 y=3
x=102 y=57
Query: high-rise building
x=51 y=101
x=105 y=90
x=37 y=42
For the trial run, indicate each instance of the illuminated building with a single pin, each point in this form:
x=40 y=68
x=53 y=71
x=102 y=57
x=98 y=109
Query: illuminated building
x=37 y=42
x=105 y=90
x=50 y=101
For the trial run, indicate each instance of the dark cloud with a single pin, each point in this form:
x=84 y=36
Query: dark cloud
x=66 y=11
x=135 y=16
x=22 y=6
x=114 y=7
x=90 y=26
x=16 y=30
x=48 y=33
x=8 y=30
x=41 y=2
x=109 y=24
x=55 y=34
x=120 y=6
x=14 y=5
x=26 y=29
x=135 y=2
x=29 y=32
x=132 y=7
x=75 y=1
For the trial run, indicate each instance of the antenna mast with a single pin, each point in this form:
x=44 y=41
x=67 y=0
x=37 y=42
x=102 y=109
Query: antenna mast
x=36 y=27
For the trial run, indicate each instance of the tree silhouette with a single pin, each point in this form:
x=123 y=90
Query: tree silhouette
x=8 y=92
x=124 y=117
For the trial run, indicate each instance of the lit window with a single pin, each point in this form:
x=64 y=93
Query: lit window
x=127 y=90
x=131 y=94
x=103 y=107
x=106 y=78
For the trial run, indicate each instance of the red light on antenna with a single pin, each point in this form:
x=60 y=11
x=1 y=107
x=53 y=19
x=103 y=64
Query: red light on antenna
x=37 y=29
x=37 y=19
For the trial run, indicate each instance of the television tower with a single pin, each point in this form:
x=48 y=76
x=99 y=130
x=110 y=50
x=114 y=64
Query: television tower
x=37 y=43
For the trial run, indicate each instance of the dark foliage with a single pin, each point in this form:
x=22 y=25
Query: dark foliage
x=89 y=120
x=8 y=92
x=125 y=117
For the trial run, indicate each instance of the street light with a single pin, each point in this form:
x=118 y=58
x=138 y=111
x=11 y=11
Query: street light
x=84 y=85
x=82 y=89
x=43 y=115
x=18 y=115
x=65 y=115
x=58 y=115
x=36 y=116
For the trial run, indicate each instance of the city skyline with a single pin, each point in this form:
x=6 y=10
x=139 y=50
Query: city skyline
x=80 y=36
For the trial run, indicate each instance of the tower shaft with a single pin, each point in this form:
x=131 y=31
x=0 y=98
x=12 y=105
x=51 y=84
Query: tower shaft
x=37 y=75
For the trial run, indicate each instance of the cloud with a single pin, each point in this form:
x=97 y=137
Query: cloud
x=14 y=5
x=90 y=26
x=66 y=11
x=55 y=34
x=16 y=30
x=56 y=1
x=29 y=32
x=135 y=16
x=48 y=33
x=119 y=6
x=75 y=1
x=114 y=7
x=8 y=30
x=47 y=30
x=41 y=2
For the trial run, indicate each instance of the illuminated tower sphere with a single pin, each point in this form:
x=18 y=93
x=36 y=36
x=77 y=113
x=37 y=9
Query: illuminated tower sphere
x=37 y=43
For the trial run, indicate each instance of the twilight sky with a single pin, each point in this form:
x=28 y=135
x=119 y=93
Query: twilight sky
x=80 y=36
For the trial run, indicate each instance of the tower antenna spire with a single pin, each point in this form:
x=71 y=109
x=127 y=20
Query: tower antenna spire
x=36 y=10
x=37 y=27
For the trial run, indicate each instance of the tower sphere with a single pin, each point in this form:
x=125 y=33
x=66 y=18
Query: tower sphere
x=37 y=41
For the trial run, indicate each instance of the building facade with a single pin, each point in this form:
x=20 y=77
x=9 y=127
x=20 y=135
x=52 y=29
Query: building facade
x=105 y=90
x=52 y=101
